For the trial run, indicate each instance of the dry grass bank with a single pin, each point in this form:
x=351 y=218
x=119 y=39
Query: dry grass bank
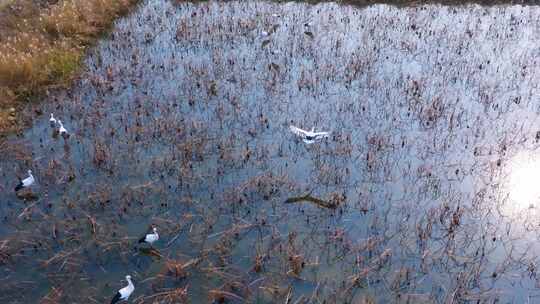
x=42 y=43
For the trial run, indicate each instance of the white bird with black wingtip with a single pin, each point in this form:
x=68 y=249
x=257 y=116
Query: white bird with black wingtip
x=309 y=137
x=124 y=293
x=25 y=183
x=52 y=121
x=62 y=130
x=150 y=238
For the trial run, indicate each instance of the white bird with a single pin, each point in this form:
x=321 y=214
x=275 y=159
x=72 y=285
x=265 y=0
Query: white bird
x=27 y=182
x=124 y=293
x=62 y=130
x=309 y=137
x=150 y=238
x=52 y=120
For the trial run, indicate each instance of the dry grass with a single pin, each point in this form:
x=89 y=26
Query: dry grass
x=41 y=45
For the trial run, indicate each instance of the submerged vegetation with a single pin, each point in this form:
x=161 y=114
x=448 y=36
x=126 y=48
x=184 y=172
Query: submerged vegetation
x=180 y=121
x=42 y=43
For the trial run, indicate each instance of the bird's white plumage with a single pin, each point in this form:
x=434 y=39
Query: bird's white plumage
x=152 y=237
x=52 y=120
x=128 y=290
x=27 y=182
x=62 y=130
x=309 y=136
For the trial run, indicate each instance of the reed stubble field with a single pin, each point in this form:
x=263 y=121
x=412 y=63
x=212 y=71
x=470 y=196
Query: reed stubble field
x=180 y=121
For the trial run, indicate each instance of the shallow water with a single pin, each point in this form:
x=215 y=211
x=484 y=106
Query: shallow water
x=182 y=118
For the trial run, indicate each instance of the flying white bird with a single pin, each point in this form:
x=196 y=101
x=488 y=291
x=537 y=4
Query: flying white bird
x=62 y=130
x=309 y=137
x=52 y=120
x=150 y=238
x=124 y=293
x=25 y=183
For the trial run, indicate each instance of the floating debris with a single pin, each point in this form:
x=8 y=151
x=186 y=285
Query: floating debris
x=314 y=200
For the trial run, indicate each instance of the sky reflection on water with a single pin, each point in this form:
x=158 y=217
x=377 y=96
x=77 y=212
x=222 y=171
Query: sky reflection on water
x=181 y=120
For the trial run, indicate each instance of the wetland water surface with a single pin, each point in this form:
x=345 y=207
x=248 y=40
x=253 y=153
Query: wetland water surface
x=181 y=120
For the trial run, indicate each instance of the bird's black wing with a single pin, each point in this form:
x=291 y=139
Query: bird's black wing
x=116 y=298
x=19 y=186
x=143 y=239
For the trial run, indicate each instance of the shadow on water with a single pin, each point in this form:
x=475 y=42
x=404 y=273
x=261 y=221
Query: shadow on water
x=151 y=252
x=181 y=122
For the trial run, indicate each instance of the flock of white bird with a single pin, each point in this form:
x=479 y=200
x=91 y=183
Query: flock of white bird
x=61 y=129
x=124 y=293
x=308 y=137
x=30 y=180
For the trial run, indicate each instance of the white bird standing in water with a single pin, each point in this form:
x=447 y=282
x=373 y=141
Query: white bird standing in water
x=62 y=130
x=27 y=182
x=150 y=238
x=309 y=137
x=124 y=293
x=52 y=120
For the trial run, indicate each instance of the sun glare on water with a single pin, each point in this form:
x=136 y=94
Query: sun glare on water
x=524 y=183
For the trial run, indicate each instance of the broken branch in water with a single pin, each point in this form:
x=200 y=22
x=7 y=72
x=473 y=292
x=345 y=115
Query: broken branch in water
x=317 y=201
